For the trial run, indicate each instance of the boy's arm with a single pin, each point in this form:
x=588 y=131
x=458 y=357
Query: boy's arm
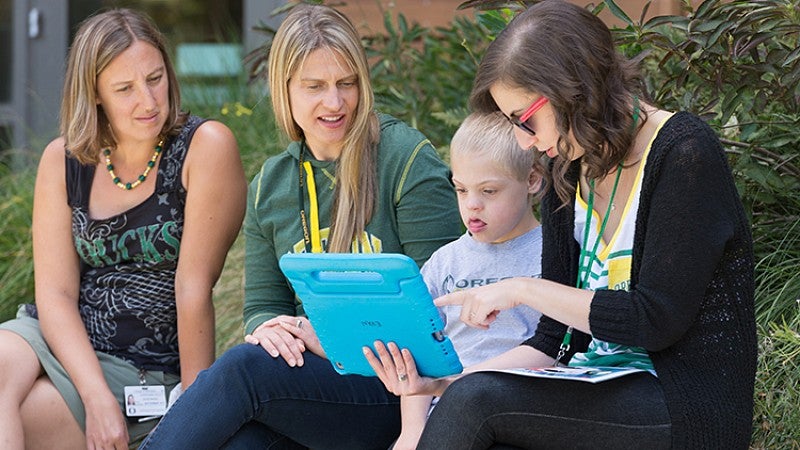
x=414 y=413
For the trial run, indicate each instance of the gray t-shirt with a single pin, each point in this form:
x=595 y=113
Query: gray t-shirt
x=467 y=263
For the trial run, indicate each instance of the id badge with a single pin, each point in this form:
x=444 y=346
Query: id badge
x=143 y=401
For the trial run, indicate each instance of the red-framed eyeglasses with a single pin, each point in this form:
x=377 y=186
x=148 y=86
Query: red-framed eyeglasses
x=522 y=121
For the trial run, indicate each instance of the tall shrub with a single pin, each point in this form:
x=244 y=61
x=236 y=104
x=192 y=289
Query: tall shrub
x=16 y=252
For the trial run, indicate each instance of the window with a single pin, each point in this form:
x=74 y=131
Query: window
x=179 y=20
x=6 y=67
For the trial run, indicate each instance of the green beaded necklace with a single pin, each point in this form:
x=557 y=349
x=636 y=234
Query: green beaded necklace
x=141 y=178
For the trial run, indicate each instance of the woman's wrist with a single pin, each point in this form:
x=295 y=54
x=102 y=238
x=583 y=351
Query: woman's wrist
x=520 y=290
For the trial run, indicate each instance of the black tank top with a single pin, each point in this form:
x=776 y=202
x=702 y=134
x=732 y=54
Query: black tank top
x=128 y=263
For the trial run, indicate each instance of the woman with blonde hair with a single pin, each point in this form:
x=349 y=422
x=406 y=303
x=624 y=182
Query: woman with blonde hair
x=351 y=180
x=135 y=208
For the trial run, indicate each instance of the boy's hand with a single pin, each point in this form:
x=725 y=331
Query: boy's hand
x=398 y=372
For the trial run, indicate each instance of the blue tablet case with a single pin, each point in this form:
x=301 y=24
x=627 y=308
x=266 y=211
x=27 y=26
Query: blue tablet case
x=352 y=300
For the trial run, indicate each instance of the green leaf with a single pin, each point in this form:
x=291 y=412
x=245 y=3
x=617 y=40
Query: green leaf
x=672 y=21
x=494 y=21
x=402 y=24
x=792 y=57
x=730 y=104
x=705 y=8
x=704 y=26
x=618 y=12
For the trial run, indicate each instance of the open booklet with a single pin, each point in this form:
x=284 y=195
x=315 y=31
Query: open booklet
x=587 y=374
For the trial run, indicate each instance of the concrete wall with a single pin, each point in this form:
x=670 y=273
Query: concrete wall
x=39 y=47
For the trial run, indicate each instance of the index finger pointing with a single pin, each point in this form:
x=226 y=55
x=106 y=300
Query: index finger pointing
x=454 y=298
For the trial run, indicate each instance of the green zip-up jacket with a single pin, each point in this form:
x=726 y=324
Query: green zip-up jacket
x=416 y=213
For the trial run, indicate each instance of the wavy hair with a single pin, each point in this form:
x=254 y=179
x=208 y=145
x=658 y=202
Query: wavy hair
x=305 y=29
x=565 y=53
x=99 y=40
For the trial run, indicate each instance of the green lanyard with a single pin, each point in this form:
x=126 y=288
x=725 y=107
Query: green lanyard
x=587 y=258
x=585 y=267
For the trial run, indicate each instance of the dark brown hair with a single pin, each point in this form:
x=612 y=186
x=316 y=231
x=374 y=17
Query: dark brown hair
x=567 y=54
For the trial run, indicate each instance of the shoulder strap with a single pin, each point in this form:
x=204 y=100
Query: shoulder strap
x=79 y=181
x=171 y=167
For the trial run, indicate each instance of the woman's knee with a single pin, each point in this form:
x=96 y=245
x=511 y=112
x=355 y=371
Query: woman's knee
x=47 y=420
x=239 y=366
x=19 y=366
x=468 y=391
x=243 y=359
x=240 y=356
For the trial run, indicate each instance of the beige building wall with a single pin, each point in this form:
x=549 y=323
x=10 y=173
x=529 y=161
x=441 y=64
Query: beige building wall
x=368 y=14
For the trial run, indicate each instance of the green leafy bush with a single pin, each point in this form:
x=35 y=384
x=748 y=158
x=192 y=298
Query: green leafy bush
x=16 y=261
x=424 y=76
x=737 y=64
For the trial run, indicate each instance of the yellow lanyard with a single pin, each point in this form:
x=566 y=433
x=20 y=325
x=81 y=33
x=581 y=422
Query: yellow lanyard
x=312 y=240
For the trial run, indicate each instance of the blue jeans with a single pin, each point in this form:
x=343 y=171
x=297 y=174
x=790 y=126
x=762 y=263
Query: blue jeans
x=247 y=399
x=495 y=410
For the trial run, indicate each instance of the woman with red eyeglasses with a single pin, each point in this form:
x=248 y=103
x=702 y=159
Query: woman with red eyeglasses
x=647 y=264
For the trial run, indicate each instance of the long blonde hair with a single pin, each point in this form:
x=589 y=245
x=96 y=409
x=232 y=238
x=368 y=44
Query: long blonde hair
x=99 y=40
x=305 y=29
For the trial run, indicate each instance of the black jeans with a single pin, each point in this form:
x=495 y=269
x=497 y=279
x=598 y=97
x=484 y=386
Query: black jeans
x=496 y=410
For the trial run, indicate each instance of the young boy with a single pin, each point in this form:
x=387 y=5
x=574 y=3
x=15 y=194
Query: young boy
x=496 y=182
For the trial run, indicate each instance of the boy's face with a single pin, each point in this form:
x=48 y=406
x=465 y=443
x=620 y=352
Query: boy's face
x=494 y=206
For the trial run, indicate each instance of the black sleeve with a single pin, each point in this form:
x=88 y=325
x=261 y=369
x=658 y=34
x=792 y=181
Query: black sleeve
x=688 y=214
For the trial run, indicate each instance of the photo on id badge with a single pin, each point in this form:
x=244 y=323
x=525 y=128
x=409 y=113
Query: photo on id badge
x=143 y=401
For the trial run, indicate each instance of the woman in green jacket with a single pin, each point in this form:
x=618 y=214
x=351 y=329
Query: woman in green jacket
x=351 y=180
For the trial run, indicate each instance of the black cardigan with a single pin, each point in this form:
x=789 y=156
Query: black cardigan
x=690 y=302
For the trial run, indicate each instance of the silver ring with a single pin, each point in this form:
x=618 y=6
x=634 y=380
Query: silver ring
x=402 y=377
x=299 y=323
